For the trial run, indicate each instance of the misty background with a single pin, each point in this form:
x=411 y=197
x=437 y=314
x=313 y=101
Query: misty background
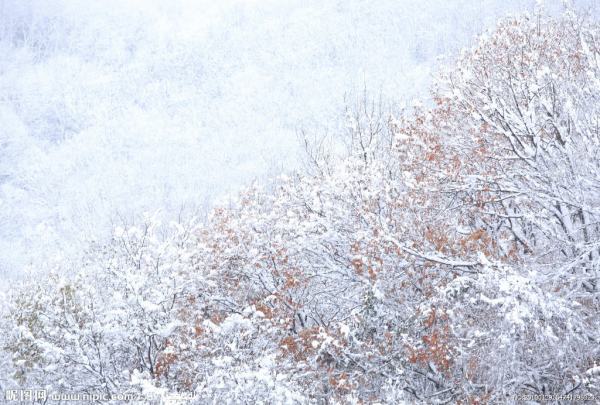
x=109 y=109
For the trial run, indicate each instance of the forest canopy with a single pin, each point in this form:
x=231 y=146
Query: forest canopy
x=451 y=255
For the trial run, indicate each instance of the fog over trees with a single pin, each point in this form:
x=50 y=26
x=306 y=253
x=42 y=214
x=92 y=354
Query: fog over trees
x=309 y=202
x=110 y=109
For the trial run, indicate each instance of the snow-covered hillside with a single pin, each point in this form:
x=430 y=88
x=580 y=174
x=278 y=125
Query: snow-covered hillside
x=109 y=109
x=447 y=252
x=450 y=255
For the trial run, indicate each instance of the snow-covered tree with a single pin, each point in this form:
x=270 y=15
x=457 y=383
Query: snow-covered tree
x=450 y=256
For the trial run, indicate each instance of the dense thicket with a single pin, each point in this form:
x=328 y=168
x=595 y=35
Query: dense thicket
x=451 y=256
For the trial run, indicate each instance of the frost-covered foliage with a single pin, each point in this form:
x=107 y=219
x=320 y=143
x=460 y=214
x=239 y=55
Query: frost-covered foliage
x=450 y=256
